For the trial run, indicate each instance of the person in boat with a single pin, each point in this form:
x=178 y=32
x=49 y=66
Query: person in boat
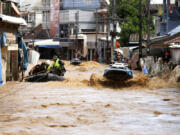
x=40 y=68
x=119 y=58
x=57 y=67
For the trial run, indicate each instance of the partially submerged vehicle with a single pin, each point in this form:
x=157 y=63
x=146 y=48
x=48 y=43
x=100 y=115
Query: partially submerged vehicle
x=75 y=61
x=118 y=72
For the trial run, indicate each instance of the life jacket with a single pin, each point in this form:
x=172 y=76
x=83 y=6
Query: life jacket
x=57 y=65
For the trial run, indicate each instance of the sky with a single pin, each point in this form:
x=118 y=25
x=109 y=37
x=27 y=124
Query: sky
x=160 y=1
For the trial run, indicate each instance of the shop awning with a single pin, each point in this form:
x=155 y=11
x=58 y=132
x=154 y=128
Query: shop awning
x=50 y=46
x=49 y=43
x=12 y=20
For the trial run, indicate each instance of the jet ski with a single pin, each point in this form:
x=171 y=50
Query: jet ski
x=75 y=61
x=118 y=72
x=44 y=77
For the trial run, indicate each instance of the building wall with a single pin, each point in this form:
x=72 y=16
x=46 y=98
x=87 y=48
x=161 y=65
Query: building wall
x=68 y=16
x=81 y=4
x=175 y=52
x=157 y=25
x=11 y=40
x=86 y=20
x=4 y=63
x=38 y=18
x=54 y=18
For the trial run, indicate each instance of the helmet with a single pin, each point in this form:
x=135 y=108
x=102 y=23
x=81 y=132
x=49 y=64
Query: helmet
x=48 y=62
x=55 y=57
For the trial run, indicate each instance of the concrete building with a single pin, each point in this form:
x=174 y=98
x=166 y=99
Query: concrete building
x=10 y=20
x=32 y=14
x=75 y=19
x=82 y=18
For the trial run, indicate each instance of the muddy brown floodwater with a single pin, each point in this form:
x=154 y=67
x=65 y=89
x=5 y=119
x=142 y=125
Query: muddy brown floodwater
x=88 y=104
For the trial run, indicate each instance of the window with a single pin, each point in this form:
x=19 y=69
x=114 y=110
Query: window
x=48 y=2
x=30 y=18
x=46 y=16
x=43 y=3
x=6 y=8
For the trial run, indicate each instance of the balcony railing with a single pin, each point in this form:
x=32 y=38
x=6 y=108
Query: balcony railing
x=45 y=7
x=68 y=16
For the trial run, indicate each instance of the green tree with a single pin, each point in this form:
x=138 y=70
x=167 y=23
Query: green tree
x=129 y=10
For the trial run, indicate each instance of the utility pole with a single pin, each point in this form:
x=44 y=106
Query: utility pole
x=96 y=33
x=140 y=29
x=107 y=35
x=77 y=27
x=114 y=29
x=148 y=27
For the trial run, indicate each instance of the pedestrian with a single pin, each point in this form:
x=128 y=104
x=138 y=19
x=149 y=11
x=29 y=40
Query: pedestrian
x=167 y=56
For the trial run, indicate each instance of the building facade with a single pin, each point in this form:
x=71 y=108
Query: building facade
x=171 y=16
x=82 y=18
x=9 y=24
x=68 y=20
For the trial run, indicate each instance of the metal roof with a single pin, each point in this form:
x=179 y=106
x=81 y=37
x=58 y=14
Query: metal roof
x=47 y=42
x=174 y=31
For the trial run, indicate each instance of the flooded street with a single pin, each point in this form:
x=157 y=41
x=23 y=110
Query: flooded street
x=86 y=104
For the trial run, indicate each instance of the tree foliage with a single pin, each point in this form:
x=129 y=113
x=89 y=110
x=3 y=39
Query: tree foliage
x=129 y=10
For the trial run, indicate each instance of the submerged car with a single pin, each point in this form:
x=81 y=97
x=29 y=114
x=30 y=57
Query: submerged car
x=118 y=72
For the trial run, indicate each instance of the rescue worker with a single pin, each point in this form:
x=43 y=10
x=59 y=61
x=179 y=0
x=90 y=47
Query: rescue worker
x=57 y=67
x=40 y=68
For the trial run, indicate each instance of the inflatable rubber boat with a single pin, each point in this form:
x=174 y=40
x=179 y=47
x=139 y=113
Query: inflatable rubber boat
x=118 y=72
x=44 y=77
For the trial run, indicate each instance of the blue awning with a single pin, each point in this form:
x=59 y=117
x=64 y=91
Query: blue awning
x=50 y=46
